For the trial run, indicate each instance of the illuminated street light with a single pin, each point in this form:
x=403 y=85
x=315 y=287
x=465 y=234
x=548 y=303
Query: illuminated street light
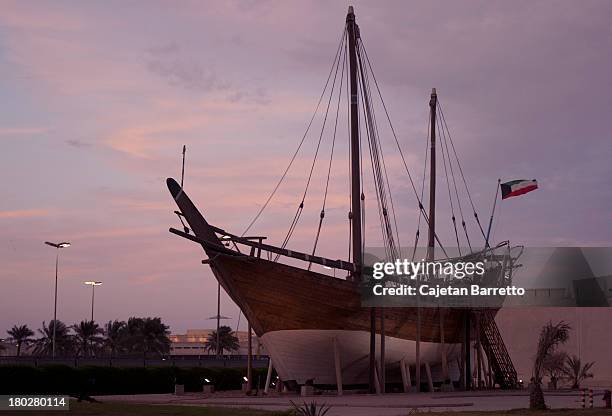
x=63 y=244
x=93 y=285
x=57 y=246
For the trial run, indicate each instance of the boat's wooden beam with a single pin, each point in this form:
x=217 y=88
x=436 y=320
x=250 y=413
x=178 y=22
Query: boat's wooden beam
x=249 y=359
x=429 y=378
x=336 y=264
x=417 y=350
x=405 y=378
x=338 y=366
x=408 y=379
x=268 y=376
x=468 y=350
x=230 y=237
x=211 y=246
x=478 y=352
x=383 y=368
x=445 y=376
x=355 y=361
x=376 y=378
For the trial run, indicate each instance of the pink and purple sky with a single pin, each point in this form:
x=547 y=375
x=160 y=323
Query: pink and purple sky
x=99 y=97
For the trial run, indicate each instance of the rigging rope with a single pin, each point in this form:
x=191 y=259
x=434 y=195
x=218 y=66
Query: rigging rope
x=463 y=223
x=301 y=141
x=331 y=158
x=389 y=226
x=461 y=171
x=375 y=159
x=382 y=159
x=418 y=231
x=373 y=163
x=300 y=208
x=361 y=181
x=448 y=186
x=350 y=165
x=421 y=208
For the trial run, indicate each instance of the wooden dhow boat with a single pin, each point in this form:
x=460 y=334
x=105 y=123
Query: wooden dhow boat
x=314 y=325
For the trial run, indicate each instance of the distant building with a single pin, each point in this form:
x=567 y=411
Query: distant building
x=590 y=337
x=7 y=349
x=194 y=343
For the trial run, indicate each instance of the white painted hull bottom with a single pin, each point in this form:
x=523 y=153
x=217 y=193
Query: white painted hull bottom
x=306 y=354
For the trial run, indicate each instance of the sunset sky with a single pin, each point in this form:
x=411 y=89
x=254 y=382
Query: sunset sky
x=99 y=97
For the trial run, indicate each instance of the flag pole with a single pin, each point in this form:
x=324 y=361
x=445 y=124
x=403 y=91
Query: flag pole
x=492 y=212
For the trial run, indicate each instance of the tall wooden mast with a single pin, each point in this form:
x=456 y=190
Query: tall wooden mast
x=356 y=197
x=432 y=177
x=353 y=35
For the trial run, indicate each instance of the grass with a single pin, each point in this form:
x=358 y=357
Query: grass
x=128 y=409
x=527 y=412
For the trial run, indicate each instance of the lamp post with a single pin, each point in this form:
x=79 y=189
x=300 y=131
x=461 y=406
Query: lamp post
x=218 y=317
x=93 y=285
x=57 y=246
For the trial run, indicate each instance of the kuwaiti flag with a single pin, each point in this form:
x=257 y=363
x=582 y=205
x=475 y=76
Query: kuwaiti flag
x=518 y=187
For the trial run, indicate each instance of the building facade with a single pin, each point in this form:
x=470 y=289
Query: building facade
x=193 y=342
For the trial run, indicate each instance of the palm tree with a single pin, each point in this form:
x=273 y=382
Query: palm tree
x=63 y=339
x=131 y=335
x=575 y=372
x=227 y=340
x=554 y=366
x=145 y=335
x=115 y=333
x=21 y=335
x=155 y=336
x=551 y=337
x=87 y=337
x=310 y=409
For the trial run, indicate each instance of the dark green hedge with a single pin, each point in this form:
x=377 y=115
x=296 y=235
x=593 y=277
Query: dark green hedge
x=59 y=379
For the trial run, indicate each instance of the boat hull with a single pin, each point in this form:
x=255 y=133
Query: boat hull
x=309 y=354
x=276 y=296
x=296 y=312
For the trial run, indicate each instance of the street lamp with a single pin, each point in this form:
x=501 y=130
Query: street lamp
x=218 y=318
x=57 y=246
x=93 y=285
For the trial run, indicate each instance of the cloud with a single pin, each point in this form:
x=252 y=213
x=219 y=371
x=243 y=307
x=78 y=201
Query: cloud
x=18 y=15
x=22 y=131
x=163 y=49
x=145 y=140
x=140 y=205
x=258 y=95
x=77 y=143
x=513 y=82
x=25 y=213
x=112 y=233
x=184 y=72
x=181 y=70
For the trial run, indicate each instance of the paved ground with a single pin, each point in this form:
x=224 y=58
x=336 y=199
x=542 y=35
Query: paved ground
x=365 y=404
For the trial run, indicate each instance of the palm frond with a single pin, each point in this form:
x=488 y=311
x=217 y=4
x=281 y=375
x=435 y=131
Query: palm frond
x=310 y=409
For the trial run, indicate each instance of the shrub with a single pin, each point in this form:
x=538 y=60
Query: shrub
x=61 y=379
